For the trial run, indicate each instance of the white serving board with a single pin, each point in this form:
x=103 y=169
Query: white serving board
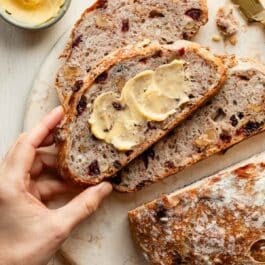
x=104 y=239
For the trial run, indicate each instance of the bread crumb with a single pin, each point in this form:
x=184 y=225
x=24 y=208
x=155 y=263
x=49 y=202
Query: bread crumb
x=233 y=40
x=216 y=38
x=227 y=24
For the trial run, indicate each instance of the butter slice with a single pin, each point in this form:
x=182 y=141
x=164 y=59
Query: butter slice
x=149 y=96
x=113 y=125
x=157 y=94
x=170 y=80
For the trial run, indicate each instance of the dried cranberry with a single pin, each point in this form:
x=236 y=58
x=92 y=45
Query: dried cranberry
x=233 y=120
x=244 y=78
x=77 y=41
x=101 y=78
x=240 y=115
x=169 y=164
x=143 y=60
x=155 y=13
x=81 y=106
x=181 y=51
x=77 y=85
x=102 y=3
x=176 y=259
x=157 y=54
x=117 y=106
x=225 y=137
x=161 y=212
x=116 y=180
x=250 y=127
x=185 y=36
x=117 y=164
x=194 y=13
x=151 y=125
x=93 y=168
x=125 y=25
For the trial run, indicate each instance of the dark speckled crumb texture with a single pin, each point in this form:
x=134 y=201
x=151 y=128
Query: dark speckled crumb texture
x=112 y=24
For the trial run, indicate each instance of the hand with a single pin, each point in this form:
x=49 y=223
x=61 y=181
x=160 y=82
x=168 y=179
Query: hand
x=30 y=233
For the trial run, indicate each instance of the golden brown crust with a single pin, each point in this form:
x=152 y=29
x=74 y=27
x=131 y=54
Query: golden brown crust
x=219 y=220
x=68 y=48
x=195 y=159
x=122 y=54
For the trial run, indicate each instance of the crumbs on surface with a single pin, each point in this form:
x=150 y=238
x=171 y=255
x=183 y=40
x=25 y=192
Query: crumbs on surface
x=227 y=24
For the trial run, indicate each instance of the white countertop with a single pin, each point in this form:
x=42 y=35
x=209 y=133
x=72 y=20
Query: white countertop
x=21 y=54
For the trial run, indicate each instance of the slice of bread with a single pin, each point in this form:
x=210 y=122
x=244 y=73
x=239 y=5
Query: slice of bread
x=87 y=160
x=109 y=25
x=236 y=113
x=219 y=220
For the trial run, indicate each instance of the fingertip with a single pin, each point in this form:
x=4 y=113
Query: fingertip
x=105 y=188
x=59 y=110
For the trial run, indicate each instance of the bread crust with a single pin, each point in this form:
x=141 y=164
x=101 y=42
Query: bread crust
x=218 y=220
x=120 y=55
x=233 y=63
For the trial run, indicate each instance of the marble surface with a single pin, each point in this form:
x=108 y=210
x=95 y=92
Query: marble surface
x=104 y=239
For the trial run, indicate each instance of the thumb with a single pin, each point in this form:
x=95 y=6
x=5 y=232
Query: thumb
x=83 y=205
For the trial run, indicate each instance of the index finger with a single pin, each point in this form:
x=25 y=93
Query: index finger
x=38 y=134
x=21 y=156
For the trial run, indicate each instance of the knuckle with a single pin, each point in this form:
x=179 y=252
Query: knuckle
x=92 y=206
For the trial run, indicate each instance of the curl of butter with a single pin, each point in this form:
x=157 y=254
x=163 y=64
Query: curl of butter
x=149 y=96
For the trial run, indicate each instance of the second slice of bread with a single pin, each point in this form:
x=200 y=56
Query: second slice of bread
x=234 y=114
x=87 y=160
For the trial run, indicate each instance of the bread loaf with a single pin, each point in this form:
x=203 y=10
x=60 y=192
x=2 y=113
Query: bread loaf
x=219 y=220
